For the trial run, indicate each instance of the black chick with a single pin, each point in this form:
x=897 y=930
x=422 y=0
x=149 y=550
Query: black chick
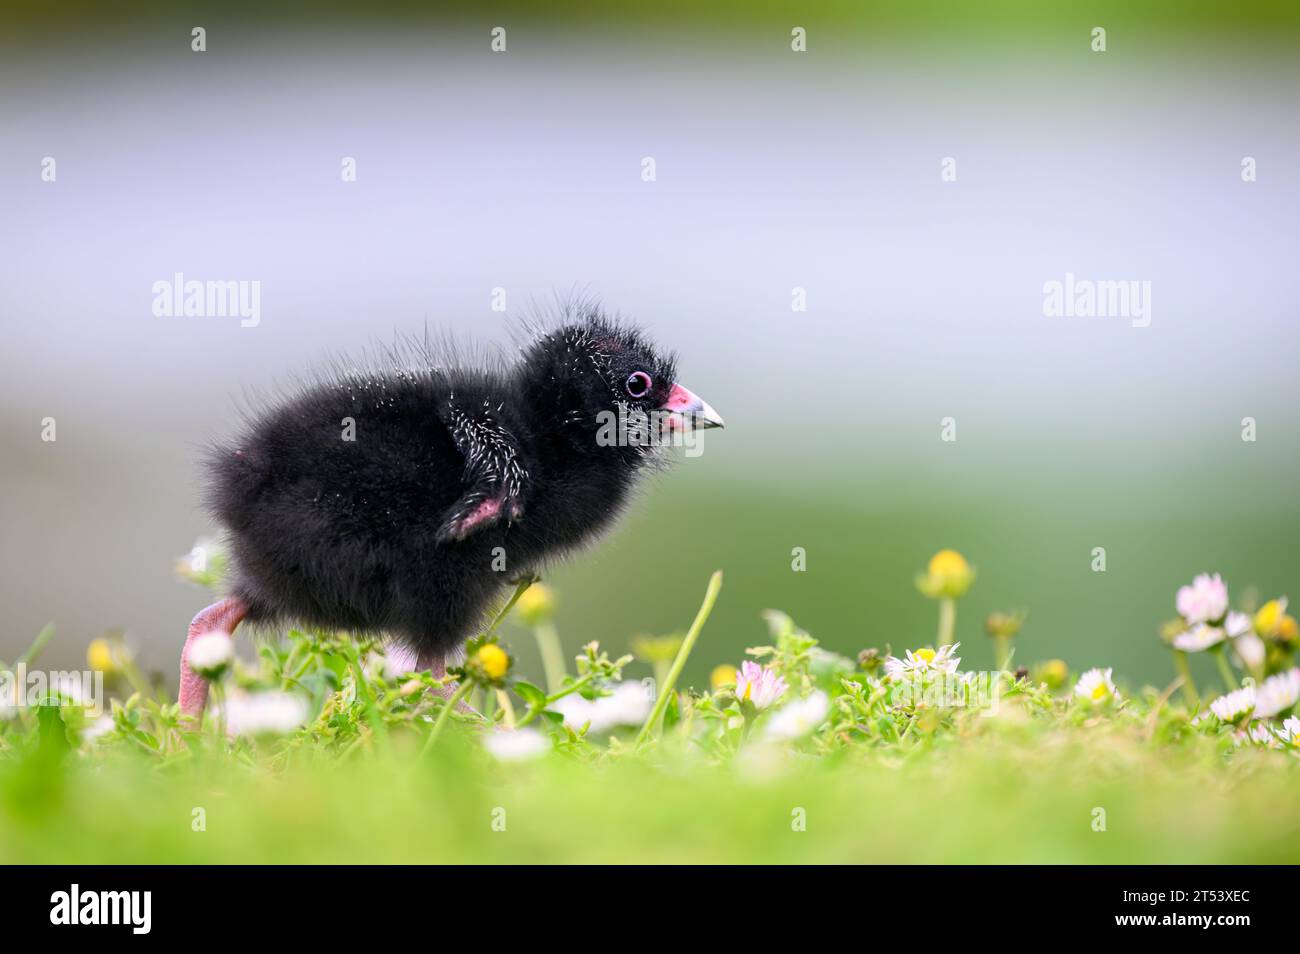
x=454 y=483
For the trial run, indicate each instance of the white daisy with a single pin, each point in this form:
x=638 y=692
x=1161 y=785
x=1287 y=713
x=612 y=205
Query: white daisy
x=796 y=719
x=1290 y=731
x=1249 y=650
x=1277 y=693
x=1238 y=624
x=1234 y=705
x=264 y=713
x=515 y=745
x=210 y=654
x=923 y=661
x=1096 y=686
x=628 y=704
x=1199 y=637
x=1261 y=733
x=101 y=726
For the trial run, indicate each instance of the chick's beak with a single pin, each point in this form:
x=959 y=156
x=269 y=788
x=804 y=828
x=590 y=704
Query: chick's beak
x=684 y=402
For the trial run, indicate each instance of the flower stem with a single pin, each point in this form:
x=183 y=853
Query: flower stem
x=1225 y=670
x=461 y=692
x=548 y=644
x=1002 y=649
x=522 y=585
x=219 y=704
x=947 y=621
x=366 y=697
x=1190 y=695
x=907 y=728
x=503 y=700
x=37 y=647
x=287 y=667
x=661 y=668
x=748 y=713
x=661 y=703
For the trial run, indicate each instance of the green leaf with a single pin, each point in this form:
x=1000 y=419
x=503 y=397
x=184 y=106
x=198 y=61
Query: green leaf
x=530 y=693
x=672 y=714
x=54 y=742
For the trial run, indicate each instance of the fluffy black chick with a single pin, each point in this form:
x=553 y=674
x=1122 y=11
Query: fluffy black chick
x=403 y=501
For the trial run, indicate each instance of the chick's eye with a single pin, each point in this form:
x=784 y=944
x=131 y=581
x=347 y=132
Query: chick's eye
x=638 y=384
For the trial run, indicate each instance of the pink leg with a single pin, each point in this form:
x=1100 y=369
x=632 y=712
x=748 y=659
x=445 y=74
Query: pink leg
x=405 y=660
x=219 y=617
x=438 y=666
x=435 y=664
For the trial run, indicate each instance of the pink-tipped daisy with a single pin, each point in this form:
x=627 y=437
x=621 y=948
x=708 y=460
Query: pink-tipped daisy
x=759 y=685
x=1204 y=601
x=1234 y=705
x=1277 y=693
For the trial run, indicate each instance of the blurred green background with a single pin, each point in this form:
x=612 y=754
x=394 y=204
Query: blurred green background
x=865 y=543
x=776 y=170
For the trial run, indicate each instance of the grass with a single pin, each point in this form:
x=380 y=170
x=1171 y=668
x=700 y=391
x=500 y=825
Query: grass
x=849 y=764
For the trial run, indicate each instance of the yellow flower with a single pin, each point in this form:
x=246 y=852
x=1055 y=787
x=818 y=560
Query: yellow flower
x=493 y=661
x=101 y=656
x=1054 y=672
x=1269 y=618
x=1286 y=630
x=1004 y=625
x=536 y=605
x=657 y=649
x=724 y=675
x=948 y=576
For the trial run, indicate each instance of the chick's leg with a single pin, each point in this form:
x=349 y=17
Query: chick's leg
x=219 y=617
x=404 y=659
x=433 y=663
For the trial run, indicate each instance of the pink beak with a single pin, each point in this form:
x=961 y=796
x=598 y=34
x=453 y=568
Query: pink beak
x=684 y=402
